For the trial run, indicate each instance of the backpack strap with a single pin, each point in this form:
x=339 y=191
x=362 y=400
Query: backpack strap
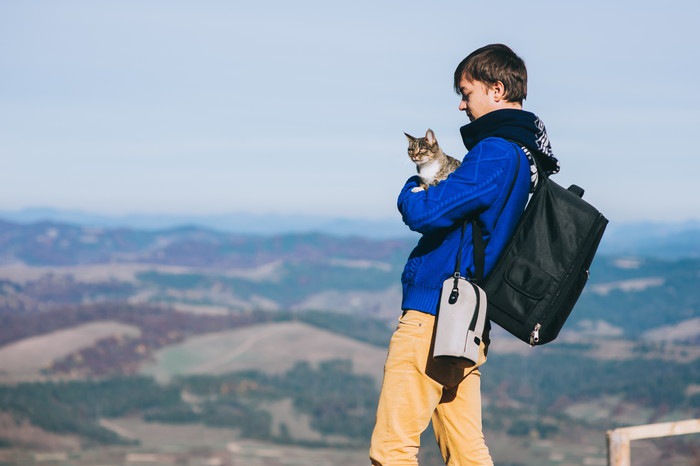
x=479 y=250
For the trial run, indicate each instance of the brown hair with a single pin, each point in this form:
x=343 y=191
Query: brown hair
x=493 y=63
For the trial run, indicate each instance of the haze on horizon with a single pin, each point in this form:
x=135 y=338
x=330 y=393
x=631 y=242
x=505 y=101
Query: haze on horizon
x=211 y=107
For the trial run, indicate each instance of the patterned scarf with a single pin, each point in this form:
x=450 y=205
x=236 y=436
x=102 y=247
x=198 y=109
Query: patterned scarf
x=518 y=126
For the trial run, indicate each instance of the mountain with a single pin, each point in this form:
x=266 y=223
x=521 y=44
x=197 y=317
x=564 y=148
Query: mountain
x=240 y=223
x=653 y=239
x=648 y=238
x=275 y=341
x=193 y=268
x=51 y=243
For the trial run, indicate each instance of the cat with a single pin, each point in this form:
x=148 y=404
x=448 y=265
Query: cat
x=432 y=163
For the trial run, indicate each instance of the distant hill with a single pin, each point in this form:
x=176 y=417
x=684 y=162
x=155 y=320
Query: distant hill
x=649 y=239
x=61 y=244
x=652 y=239
x=46 y=264
x=240 y=223
x=640 y=295
x=276 y=347
x=281 y=337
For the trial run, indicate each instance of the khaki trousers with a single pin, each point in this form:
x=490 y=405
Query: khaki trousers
x=416 y=389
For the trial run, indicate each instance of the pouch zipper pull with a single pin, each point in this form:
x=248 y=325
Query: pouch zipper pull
x=535 y=335
x=455 y=290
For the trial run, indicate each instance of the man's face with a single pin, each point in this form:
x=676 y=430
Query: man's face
x=477 y=98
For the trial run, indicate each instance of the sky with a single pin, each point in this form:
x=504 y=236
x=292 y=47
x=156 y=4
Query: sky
x=207 y=107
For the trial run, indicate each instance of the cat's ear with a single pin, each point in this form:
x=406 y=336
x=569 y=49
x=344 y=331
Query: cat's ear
x=430 y=137
x=410 y=138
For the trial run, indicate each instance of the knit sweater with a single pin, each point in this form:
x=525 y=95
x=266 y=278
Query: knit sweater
x=478 y=188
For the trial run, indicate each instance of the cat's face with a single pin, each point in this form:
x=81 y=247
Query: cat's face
x=422 y=150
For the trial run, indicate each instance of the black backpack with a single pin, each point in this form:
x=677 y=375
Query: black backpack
x=543 y=268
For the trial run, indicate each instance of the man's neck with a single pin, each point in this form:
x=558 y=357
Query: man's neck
x=513 y=105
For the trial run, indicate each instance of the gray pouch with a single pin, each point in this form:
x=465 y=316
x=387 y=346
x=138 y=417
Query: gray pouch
x=461 y=318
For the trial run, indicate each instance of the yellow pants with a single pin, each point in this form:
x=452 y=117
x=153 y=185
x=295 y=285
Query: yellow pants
x=417 y=388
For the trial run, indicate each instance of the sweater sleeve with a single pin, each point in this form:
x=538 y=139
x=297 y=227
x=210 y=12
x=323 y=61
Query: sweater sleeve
x=471 y=188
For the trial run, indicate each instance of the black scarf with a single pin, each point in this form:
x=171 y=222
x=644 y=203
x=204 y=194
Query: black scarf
x=518 y=126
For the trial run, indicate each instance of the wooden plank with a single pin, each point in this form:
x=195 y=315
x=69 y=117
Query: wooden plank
x=619 y=439
x=663 y=429
x=618 y=448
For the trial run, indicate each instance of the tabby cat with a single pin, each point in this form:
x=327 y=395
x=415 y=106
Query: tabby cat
x=432 y=163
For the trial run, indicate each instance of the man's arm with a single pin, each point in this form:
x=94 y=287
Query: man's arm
x=471 y=188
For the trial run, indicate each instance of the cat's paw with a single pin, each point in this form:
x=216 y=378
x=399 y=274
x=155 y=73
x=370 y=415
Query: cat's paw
x=417 y=189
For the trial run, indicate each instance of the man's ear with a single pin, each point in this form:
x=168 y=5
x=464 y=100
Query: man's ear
x=499 y=91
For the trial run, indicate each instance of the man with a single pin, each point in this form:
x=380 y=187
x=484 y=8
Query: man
x=492 y=82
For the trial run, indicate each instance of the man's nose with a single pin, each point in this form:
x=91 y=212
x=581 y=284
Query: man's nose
x=462 y=105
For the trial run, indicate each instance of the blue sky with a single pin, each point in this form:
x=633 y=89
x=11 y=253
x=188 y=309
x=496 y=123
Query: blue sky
x=208 y=107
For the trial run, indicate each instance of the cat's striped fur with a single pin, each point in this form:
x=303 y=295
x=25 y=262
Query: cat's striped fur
x=432 y=163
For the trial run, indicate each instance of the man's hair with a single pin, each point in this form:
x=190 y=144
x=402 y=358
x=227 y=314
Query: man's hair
x=493 y=63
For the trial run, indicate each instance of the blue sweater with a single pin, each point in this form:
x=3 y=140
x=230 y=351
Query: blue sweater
x=479 y=187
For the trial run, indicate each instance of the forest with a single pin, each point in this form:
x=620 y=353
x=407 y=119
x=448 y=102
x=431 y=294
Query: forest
x=338 y=402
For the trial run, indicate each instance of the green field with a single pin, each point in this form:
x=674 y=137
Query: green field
x=271 y=348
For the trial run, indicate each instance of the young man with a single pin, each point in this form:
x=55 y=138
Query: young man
x=500 y=137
